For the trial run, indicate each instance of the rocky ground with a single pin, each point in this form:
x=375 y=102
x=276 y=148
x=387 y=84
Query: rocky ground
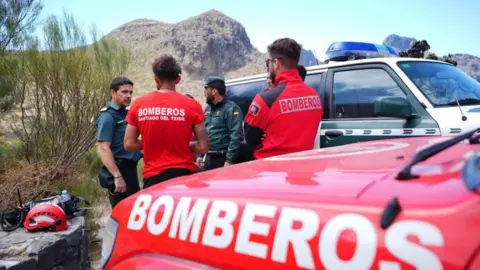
x=66 y=249
x=95 y=248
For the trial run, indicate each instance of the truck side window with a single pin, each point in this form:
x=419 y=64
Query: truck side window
x=314 y=81
x=243 y=94
x=355 y=92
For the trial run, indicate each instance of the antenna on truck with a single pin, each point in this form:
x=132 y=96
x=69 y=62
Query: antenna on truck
x=464 y=118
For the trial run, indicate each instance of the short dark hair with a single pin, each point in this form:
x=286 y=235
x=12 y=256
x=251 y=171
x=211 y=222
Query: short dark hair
x=166 y=68
x=287 y=50
x=119 y=81
x=302 y=71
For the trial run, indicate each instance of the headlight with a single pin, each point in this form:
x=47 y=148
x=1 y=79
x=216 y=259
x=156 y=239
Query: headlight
x=109 y=235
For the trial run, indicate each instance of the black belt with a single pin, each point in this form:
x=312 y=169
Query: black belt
x=216 y=153
x=125 y=161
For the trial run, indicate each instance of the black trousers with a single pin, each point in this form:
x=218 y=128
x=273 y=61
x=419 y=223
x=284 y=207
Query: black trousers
x=164 y=176
x=213 y=161
x=128 y=169
x=245 y=154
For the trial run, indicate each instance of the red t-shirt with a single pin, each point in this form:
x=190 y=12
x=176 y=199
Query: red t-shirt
x=165 y=123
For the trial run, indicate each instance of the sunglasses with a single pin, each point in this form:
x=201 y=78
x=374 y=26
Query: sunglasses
x=267 y=62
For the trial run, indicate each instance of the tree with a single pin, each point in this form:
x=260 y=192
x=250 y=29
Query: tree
x=418 y=50
x=63 y=85
x=17 y=21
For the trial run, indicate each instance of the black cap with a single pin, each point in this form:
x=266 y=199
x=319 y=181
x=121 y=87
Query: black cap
x=217 y=83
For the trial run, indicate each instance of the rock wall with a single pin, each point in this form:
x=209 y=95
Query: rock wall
x=25 y=250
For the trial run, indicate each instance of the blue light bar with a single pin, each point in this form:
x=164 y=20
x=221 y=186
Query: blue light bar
x=345 y=50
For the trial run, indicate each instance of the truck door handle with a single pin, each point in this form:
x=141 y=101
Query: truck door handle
x=334 y=133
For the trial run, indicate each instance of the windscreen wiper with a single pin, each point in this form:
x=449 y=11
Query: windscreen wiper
x=465 y=101
x=406 y=174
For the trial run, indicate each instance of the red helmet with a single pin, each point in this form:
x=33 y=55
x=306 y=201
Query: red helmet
x=46 y=215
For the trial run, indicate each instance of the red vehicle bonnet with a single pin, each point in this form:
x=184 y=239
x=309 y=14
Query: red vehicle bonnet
x=316 y=209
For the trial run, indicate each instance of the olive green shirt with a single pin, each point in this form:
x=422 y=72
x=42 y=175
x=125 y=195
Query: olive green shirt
x=223 y=122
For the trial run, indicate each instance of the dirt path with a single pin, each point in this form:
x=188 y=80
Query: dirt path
x=101 y=213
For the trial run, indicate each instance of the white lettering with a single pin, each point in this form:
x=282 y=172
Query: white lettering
x=249 y=226
x=161 y=113
x=296 y=230
x=419 y=257
x=299 y=238
x=297 y=104
x=185 y=219
x=214 y=221
x=139 y=212
x=158 y=228
x=366 y=242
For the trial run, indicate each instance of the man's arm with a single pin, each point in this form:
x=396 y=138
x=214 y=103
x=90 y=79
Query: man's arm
x=202 y=144
x=256 y=121
x=106 y=156
x=207 y=109
x=106 y=129
x=131 y=141
x=234 y=125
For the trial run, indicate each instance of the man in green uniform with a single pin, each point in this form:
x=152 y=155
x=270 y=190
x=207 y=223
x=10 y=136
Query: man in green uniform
x=223 y=120
x=118 y=173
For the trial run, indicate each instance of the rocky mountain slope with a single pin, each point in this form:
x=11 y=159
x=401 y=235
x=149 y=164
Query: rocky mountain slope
x=208 y=44
x=470 y=64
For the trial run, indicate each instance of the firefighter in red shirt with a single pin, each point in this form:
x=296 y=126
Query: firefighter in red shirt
x=289 y=114
x=165 y=119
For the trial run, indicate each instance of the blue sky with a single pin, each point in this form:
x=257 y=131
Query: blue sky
x=449 y=26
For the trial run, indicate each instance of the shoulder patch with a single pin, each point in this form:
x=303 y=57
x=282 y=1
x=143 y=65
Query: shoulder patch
x=236 y=113
x=104 y=109
x=254 y=109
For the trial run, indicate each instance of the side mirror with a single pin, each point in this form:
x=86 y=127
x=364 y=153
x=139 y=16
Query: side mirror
x=397 y=107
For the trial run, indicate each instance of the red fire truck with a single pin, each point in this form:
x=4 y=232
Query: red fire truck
x=408 y=203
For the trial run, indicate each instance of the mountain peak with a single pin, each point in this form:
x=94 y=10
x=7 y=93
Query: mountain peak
x=211 y=17
x=210 y=43
x=399 y=43
x=213 y=13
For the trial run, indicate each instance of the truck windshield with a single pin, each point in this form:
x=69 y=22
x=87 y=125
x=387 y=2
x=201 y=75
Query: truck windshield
x=442 y=84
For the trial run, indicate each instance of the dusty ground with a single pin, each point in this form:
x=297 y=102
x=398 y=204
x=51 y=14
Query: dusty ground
x=102 y=212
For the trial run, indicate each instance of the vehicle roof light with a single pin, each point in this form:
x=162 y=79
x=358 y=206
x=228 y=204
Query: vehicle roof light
x=350 y=50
